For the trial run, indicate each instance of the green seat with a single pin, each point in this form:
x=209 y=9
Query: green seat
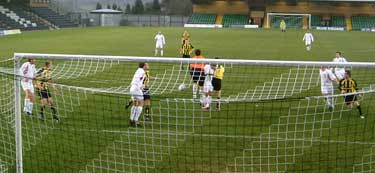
x=235 y=19
x=316 y=20
x=202 y=19
x=359 y=22
x=338 y=21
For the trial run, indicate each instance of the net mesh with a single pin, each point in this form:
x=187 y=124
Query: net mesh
x=291 y=20
x=272 y=119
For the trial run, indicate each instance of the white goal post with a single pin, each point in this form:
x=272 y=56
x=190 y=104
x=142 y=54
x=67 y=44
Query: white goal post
x=309 y=72
x=269 y=17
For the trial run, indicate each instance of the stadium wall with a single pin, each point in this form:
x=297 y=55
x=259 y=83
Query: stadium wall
x=155 y=20
x=222 y=7
x=343 y=9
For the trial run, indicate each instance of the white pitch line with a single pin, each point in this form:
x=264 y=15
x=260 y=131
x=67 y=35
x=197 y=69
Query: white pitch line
x=149 y=131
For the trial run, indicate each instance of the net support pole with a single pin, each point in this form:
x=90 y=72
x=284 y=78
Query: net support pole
x=18 y=120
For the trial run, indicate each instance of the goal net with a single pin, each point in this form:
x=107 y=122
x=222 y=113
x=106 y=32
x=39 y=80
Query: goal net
x=292 y=20
x=272 y=118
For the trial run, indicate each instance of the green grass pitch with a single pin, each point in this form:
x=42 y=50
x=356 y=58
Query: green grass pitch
x=94 y=135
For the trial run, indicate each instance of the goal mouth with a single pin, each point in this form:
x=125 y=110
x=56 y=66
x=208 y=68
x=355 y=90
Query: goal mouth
x=292 y=20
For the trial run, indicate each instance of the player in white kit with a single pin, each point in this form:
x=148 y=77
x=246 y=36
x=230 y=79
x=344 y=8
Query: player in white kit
x=136 y=88
x=160 y=42
x=27 y=73
x=209 y=71
x=339 y=71
x=327 y=78
x=308 y=38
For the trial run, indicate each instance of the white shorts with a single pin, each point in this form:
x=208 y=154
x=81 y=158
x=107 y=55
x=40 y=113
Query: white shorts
x=307 y=43
x=27 y=86
x=207 y=87
x=136 y=93
x=159 y=46
x=327 y=90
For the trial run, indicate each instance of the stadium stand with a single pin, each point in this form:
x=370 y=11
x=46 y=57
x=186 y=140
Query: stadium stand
x=26 y=14
x=291 y=22
x=11 y=20
x=316 y=20
x=7 y=23
x=338 y=21
x=235 y=19
x=53 y=17
x=202 y=19
x=360 y=22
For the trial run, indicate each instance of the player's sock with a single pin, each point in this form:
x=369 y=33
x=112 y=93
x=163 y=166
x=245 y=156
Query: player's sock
x=359 y=110
x=42 y=108
x=209 y=100
x=332 y=101
x=147 y=110
x=26 y=105
x=203 y=101
x=132 y=113
x=162 y=52
x=195 y=90
x=156 y=52
x=54 y=113
x=328 y=100
x=30 y=107
x=218 y=104
x=138 y=113
x=148 y=113
x=202 y=97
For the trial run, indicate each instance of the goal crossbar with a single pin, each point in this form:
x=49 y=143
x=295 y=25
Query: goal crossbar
x=19 y=56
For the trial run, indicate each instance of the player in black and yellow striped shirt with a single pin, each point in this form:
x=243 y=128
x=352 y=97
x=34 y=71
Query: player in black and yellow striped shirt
x=147 y=96
x=349 y=86
x=44 y=79
x=186 y=50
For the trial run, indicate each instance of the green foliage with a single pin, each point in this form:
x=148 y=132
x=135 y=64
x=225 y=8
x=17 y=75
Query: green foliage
x=156 y=6
x=98 y=6
x=178 y=7
x=114 y=6
x=128 y=9
x=138 y=7
x=202 y=1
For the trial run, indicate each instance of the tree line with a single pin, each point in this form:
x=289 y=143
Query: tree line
x=170 y=7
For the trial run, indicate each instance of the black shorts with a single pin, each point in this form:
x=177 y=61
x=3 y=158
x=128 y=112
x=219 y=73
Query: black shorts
x=44 y=94
x=186 y=56
x=198 y=76
x=350 y=98
x=146 y=94
x=216 y=83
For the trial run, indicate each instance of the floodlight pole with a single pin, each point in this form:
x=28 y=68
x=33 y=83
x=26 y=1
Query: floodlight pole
x=17 y=112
